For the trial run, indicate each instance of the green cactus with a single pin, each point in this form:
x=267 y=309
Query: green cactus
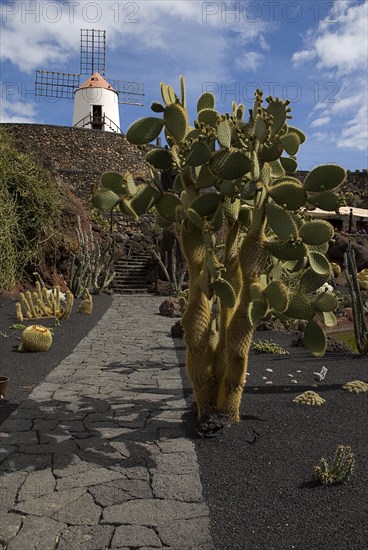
x=92 y=266
x=35 y=338
x=340 y=470
x=43 y=303
x=359 y=318
x=233 y=183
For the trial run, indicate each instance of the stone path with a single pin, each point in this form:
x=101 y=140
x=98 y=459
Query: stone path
x=96 y=457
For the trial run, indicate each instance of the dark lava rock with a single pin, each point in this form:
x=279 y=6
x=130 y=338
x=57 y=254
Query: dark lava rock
x=177 y=330
x=170 y=308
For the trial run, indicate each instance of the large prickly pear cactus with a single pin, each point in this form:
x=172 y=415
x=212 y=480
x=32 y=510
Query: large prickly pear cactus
x=235 y=179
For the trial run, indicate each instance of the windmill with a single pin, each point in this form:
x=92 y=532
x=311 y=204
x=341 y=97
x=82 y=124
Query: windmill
x=96 y=102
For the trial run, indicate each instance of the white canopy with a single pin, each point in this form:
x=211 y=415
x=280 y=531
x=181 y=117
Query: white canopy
x=358 y=213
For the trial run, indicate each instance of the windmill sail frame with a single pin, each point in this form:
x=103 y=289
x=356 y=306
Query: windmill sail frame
x=60 y=85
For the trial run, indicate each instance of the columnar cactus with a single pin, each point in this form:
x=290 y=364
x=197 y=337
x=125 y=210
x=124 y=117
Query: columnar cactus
x=235 y=175
x=43 y=303
x=359 y=310
x=340 y=470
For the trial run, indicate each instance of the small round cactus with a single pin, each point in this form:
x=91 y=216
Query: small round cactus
x=356 y=386
x=35 y=338
x=309 y=398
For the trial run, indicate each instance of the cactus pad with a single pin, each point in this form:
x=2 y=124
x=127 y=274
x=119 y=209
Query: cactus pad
x=166 y=206
x=176 y=121
x=324 y=178
x=326 y=301
x=144 y=130
x=319 y=263
x=113 y=181
x=290 y=143
x=356 y=386
x=316 y=232
x=159 y=158
x=326 y=200
x=289 y=194
x=314 y=338
x=300 y=306
x=144 y=199
x=283 y=250
x=311 y=281
x=210 y=117
x=277 y=110
x=256 y=311
x=224 y=133
x=277 y=295
x=309 y=398
x=206 y=101
x=205 y=178
x=281 y=222
x=206 y=204
x=230 y=164
x=199 y=154
x=105 y=199
x=225 y=292
x=289 y=165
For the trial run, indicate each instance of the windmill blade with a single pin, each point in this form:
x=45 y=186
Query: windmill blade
x=130 y=93
x=92 y=51
x=56 y=85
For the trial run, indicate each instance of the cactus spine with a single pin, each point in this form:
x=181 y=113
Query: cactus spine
x=231 y=183
x=359 y=319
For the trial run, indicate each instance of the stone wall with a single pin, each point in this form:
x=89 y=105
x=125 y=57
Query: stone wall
x=76 y=155
x=79 y=156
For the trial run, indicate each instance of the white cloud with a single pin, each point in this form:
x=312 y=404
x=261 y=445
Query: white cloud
x=249 y=61
x=355 y=135
x=17 y=112
x=338 y=49
x=320 y=121
x=341 y=46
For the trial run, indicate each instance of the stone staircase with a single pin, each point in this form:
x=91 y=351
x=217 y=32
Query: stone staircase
x=131 y=274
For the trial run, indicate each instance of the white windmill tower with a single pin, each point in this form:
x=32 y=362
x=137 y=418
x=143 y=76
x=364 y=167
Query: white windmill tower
x=96 y=105
x=96 y=101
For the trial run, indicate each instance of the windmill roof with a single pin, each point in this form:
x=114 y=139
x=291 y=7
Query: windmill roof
x=96 y=81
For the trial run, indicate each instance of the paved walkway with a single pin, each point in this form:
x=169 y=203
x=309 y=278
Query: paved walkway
x=96 y=457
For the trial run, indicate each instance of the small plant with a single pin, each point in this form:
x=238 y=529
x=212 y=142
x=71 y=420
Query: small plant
x=340 y=470
x=309 y=398
x=356 y=386
x=43 y=303
x=86 y=305
x=268 y=346
x=35 y=338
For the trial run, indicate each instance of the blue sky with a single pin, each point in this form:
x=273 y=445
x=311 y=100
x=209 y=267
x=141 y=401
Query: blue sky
x=312 y=52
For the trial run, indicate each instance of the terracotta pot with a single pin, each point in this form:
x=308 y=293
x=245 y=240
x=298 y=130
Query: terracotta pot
x=3 y=384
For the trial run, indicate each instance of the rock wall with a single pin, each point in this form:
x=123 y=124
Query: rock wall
x=76 y=155
x=79 y=156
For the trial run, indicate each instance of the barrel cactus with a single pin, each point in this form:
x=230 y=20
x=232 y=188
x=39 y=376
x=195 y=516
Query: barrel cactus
x=240 y=214
x=35 y=338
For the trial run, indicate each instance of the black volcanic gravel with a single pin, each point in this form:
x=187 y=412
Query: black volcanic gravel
x=27 y=370
x=257 y=476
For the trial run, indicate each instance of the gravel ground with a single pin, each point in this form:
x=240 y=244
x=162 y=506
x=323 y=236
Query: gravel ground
x=27 y=370
x=257 y=476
